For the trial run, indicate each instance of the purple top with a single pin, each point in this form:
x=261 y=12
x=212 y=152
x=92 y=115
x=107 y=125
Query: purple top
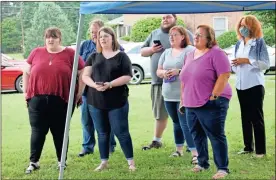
x=200 y=75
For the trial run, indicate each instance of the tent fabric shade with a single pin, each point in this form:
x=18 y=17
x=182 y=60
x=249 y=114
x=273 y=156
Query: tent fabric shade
x=176 y=7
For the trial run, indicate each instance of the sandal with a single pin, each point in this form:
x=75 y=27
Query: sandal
x=198 y=168
x=194 y=160
x=32 y=167
x=176 y=154
x=132 y=167
x=101 y=167
x=220 y=174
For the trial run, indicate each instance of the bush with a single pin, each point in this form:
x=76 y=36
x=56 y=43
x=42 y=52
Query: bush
x=142 y=28
x=125 y=38
x=269 y=36
x=227 y=39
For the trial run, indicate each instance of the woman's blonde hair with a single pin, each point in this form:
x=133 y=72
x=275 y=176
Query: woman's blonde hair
x=186 y=41
x=254 y=26
x=108 y=30
x=210 y=35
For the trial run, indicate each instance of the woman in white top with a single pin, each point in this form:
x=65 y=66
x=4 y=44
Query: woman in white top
x=251 y=59
x=170 y=64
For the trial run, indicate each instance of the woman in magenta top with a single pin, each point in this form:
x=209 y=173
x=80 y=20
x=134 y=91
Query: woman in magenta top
x=46 y=85
x=205 y=92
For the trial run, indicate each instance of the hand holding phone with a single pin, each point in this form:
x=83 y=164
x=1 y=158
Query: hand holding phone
x=100 y=83
x=158 y=42
x=157 y=46
x=182 y=109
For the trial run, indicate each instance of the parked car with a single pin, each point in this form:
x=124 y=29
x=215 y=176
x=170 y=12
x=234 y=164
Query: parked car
x=11 y=74
x=271 y=53
x=140 y=64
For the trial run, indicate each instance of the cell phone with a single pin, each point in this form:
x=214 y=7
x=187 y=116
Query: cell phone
x=100 y=83
x=173 y=78
x=182 y=109
x=158 y=42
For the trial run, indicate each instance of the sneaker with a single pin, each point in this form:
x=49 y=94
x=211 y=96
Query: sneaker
x=83 y=153
x=59 y=165
x=32 y=167
x=154 y=144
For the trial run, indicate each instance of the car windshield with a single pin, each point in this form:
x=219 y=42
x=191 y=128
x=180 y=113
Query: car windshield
x=135 y=50
x=5 y=61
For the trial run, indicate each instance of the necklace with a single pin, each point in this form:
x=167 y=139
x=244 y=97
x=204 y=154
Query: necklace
x=50 y=60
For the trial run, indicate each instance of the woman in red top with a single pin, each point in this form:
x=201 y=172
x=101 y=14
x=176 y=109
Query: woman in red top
x=46 y=85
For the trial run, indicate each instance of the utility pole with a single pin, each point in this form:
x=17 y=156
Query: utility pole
x=22 y=28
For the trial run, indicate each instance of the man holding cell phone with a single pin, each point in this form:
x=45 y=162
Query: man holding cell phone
x=154 y=46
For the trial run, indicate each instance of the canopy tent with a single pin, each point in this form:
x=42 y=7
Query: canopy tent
x=167 y=7
x=146 y=7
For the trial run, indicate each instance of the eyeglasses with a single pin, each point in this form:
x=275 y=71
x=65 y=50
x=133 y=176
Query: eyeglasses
x=199 y=35
x=174 y=35
x=104 y=36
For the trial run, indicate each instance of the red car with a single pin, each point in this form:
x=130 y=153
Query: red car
x=11 y=74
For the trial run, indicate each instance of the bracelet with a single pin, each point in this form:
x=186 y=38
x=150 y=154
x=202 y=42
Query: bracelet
x=110 y=85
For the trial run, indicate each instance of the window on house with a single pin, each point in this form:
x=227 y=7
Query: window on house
x=220 y=25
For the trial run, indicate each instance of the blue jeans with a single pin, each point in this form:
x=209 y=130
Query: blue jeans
x=180 y=128
x=209 y=121
x=116 y=119
x=88 y=130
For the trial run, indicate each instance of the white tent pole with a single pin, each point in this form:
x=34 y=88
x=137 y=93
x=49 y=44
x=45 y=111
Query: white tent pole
x=71 y=98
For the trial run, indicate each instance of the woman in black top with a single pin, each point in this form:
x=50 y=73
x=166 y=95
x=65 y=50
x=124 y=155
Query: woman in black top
x=107 y=73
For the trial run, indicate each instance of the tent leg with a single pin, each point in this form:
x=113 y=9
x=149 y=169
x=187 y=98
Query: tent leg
x=71 y=99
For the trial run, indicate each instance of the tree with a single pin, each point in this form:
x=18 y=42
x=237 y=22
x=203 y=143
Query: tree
x=11 y=35
x=267 y=18
x=48 y=15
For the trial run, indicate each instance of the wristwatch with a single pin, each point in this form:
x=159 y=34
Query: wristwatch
x=110 y=85
x=214 y=96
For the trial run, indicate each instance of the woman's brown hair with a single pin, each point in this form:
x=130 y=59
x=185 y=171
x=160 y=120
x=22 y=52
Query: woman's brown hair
x=186 y=41
x=53 y=32
x=108 y=30
x=254 y=26
x=210 y=35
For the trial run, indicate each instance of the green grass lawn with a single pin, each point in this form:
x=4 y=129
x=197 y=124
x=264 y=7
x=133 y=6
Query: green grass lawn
x=153 y=164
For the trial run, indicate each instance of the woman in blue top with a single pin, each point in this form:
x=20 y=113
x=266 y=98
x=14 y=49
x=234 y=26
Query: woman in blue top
x=251 y=59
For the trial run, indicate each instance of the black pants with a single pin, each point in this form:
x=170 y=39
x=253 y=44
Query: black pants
x=46 y=112
x=251 y=104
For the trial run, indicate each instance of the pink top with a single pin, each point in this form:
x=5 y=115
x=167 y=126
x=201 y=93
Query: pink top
x=200 y=75
x=54 y=79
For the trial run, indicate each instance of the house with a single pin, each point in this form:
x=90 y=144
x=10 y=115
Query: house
x=221 y=22
x=120 y=28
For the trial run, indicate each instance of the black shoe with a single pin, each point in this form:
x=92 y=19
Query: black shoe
x=83 y=153
x=245 y=152
x=154 y=144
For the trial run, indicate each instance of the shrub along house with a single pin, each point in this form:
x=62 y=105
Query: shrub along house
x=221 y=22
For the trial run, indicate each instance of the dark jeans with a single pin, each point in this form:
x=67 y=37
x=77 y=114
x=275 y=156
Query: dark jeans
x=180 y=127
x=209 y=121
x=251 y=104
x=117 y=119
x=46 y=112
x=88 y=129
